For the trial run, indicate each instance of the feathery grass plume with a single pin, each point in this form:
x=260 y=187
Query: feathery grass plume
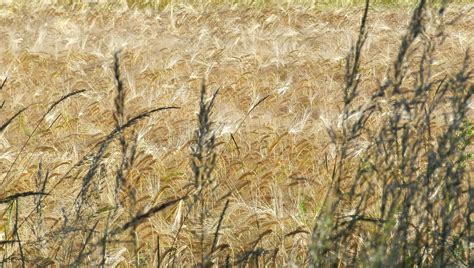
x=203 y=163
x=124 y=190
x=119 y=117
x=203 y=151
x=409 y=194
x=322 y=233
x=128 y=156
x=97 y=158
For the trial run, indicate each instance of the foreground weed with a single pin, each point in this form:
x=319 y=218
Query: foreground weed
x=409 y=196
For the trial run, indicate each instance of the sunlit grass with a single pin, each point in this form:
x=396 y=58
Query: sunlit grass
x=279 y=70
x=163 y=4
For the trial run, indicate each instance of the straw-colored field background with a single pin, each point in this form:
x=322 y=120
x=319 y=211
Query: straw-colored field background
x=277 y=168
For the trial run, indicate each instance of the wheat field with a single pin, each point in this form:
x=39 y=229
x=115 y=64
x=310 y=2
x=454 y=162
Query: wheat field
x=71 y=194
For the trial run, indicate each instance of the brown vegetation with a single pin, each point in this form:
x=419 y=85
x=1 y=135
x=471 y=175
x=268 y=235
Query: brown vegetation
x=117 y=153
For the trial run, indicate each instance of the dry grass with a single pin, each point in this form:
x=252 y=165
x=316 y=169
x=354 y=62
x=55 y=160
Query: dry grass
x=273 y=164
